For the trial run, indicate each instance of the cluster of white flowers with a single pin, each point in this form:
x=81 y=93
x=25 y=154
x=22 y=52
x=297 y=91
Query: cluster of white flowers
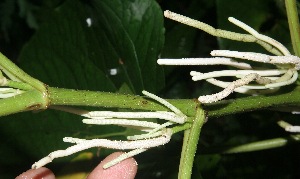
x=155 y=134
x=266 y=80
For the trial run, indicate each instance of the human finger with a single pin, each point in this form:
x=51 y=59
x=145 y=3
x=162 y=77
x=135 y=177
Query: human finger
x=43 y=172
x=126 y=169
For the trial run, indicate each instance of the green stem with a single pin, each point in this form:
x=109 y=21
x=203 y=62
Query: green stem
x=190 y=142
x=70 y=97
x=187 y=106
x=292 y=14
x=30 y=100
x=252 y=103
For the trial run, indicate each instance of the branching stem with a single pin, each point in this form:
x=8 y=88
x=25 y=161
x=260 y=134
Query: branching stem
x=191 y=138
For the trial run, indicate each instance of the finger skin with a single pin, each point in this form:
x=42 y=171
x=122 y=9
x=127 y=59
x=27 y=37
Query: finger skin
x=126 y=169
x=43 y=172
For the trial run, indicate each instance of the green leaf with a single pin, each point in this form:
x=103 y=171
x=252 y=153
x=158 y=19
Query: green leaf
x=121 y=45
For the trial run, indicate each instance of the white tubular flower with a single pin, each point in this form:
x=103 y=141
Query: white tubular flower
x=264 y=81
x=121 y=122
x=259 y=36
x=6 y=92
x=204 y=61
x=170 y=116
x=288 y=127
x=157 y=134
x=9 y=92
x=293 y=129
x=120 y=145
x=175 y=116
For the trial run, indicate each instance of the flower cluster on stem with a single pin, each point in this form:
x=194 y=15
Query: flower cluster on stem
x=264 y=80
x=154 y=134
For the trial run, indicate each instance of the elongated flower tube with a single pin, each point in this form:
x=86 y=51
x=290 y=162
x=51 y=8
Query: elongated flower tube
x=288 y=127
x=82 y=144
